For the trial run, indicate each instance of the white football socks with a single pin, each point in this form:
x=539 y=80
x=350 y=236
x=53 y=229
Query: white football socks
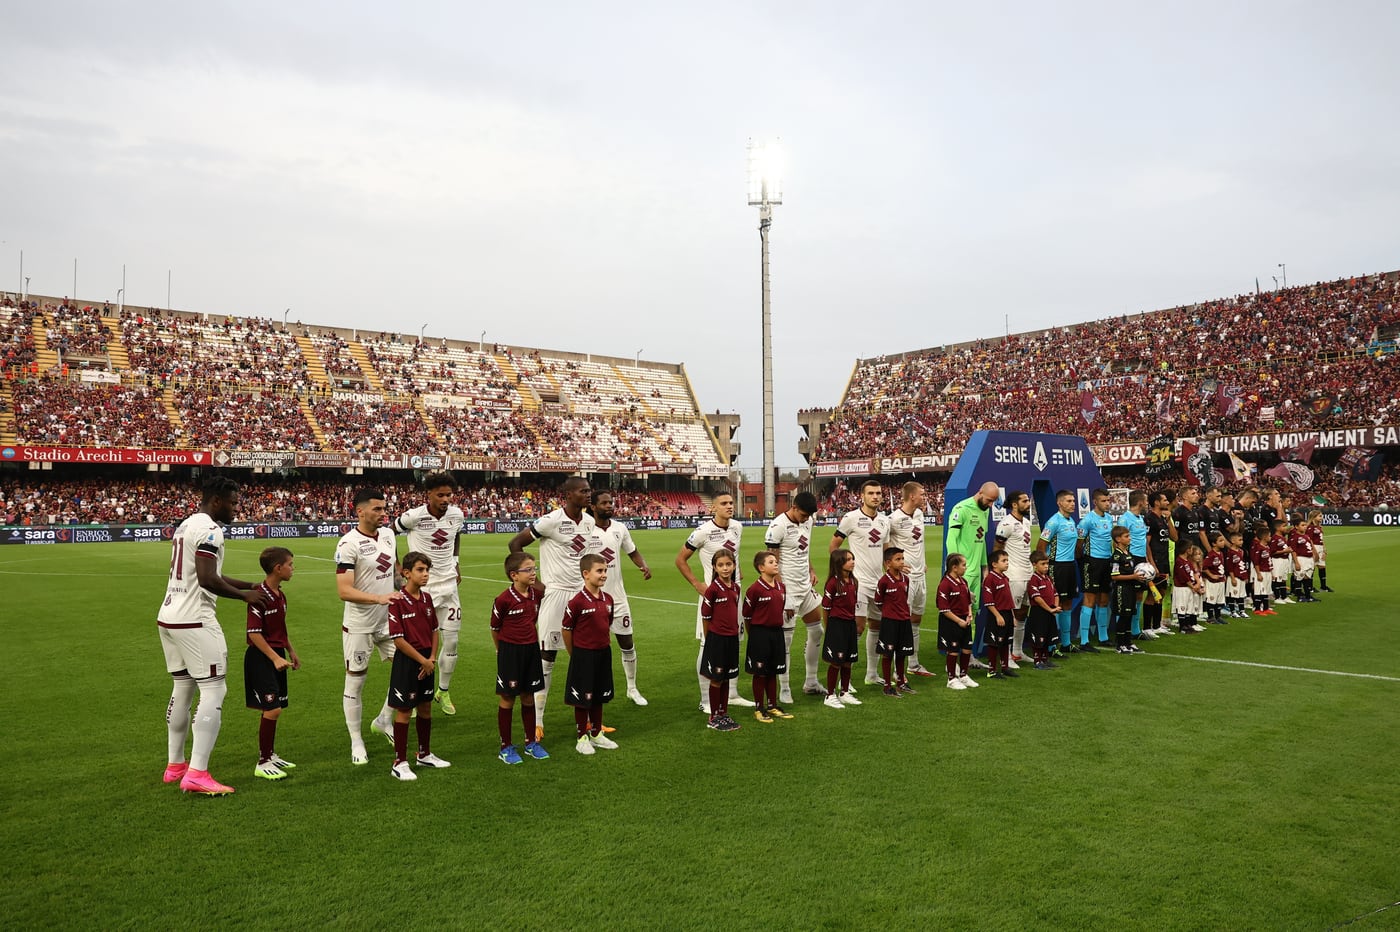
x=629 y=667
x=207 y=719
x=812 y=653
x=177 y=718
x=543 y=694
x=872 y=655
x=354 y=707
x=447 y=659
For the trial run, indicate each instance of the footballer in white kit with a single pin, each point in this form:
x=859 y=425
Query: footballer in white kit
x=612 y=539
x=434 y=528
x=790 y=537
x=907 y=533
x=1014 y=533
x=720 y=532
x=196 y=654
x=564 y=535
x=365 y=573
x=867 y=533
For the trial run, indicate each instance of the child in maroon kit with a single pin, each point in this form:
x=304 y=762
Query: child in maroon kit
x=841 y=647
x=1236 y=576
x=413 y=625
x=588 y=638
x=1188 y=593
x=1001 y=606
x=269 y=656
x=1300 y=542
x=519 y=669
x=1213 y=571
x=954 y=603
x=766 y=654
x=719 y=661
x=1319 y=549
x=1261 y=571
x=1045 y=605
x=896 y=630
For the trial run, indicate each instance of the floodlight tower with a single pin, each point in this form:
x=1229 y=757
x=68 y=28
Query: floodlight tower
x=765 y=193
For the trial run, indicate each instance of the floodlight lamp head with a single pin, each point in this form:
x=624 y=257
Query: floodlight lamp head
x=765 y=185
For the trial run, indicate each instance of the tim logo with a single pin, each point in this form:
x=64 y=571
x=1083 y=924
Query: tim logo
x=440 y=538
x=578 y=543
x=802 y=542
x=384 y=562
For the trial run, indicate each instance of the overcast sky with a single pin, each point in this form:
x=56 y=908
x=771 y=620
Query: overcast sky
x=571 y=175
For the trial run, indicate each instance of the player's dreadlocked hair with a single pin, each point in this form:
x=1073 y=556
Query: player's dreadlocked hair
x=217 y=487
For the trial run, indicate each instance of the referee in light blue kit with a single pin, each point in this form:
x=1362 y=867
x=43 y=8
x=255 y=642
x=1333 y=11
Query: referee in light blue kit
x=1133 y=520
x=1059 y=536
x=1096 y=538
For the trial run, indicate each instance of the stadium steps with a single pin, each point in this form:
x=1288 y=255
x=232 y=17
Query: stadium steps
x=8 y=436
x=709 y=429
x=528 y=401
x=177 y=422
x=428 y=422
x=43 y=356
x=650 y=413
x=117 y=356
x=311 y=421
x=361 y=357
x=646 y=408
x=314 y=367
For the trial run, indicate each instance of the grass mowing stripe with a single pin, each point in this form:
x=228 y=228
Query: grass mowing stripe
x=1275 y=666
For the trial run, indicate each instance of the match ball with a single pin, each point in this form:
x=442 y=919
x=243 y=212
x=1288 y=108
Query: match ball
x=1145 y=571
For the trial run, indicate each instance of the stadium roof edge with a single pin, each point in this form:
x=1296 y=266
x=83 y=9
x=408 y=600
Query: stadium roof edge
x=353 y=333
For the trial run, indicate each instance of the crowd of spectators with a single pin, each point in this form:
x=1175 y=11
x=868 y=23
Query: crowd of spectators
x=17 y=352
x=26 y=500
x=419 y=367
x=66 y=413
x=250 y=351
x=1296 y=358
x=75 y=331
x=227 y=418
x=371 y=425
x=490 y=431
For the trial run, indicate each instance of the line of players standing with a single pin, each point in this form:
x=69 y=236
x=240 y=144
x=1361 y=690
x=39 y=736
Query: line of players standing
x=368 y=574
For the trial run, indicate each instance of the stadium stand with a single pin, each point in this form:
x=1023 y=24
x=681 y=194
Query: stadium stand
x=66 y=413
x=250 y=384
x=1308 y=357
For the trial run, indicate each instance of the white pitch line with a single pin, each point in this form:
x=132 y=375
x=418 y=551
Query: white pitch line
x=1273 y=666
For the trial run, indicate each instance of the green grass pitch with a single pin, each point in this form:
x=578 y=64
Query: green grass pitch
x=1117 y=792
